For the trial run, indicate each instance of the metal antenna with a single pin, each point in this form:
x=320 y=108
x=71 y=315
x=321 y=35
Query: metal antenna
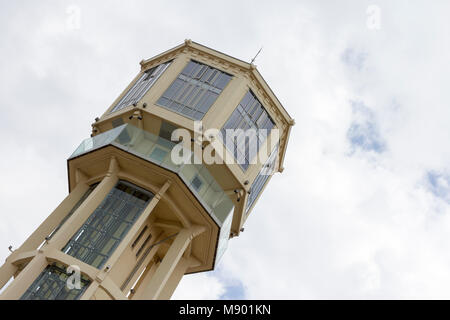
x=253 y=60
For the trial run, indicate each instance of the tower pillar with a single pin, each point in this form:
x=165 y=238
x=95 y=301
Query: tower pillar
x=175 y=278
x=87 y=207
x=9 y=269
x=169 y=263
x=39 y=258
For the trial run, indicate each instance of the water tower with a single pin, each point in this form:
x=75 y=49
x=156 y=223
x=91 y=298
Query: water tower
x=144 y=209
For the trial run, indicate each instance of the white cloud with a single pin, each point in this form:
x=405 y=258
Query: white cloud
x=201 y=287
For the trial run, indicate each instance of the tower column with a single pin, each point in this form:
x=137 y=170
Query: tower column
x=8 y=269
x=39 y=262
x=21 y=283
x=175 y=278
x=86 y=208
x=169 y=263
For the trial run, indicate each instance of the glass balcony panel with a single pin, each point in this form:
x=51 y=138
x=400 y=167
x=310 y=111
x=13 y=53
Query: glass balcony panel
x=143 y=146
x=188 y=172
x=97 y=141
x=212 y=196
x=224 y=236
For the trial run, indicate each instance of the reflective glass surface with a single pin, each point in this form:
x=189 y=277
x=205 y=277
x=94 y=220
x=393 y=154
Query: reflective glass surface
x=249 y=114
x=105 y=228
x=51 y=284
x=195 y=90
x=141 y=86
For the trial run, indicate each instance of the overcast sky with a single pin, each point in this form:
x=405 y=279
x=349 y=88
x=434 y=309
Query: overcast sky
x=362 y=209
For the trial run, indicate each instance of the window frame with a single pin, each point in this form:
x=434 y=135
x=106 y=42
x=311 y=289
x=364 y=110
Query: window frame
x=195 y=90
x=264 y=178
x=241 y=119
x=139 y=89
x=96 y=240
x=55 y=273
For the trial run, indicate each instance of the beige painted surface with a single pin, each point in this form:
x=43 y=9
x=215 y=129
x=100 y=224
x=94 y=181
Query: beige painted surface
x=182 y=235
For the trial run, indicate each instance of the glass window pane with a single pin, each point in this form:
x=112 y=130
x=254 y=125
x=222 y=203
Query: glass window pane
x=262 y=177
x=249 y=114
x=189 y=68
x=195 y=90
x=108 y=224
x=222 y=80
x=141 y=86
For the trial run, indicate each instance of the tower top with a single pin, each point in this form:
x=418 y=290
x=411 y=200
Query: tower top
x=146 y=100
x=238 y=66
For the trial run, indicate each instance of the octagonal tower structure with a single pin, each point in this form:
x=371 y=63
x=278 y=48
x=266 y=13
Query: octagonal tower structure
x=143 y=209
